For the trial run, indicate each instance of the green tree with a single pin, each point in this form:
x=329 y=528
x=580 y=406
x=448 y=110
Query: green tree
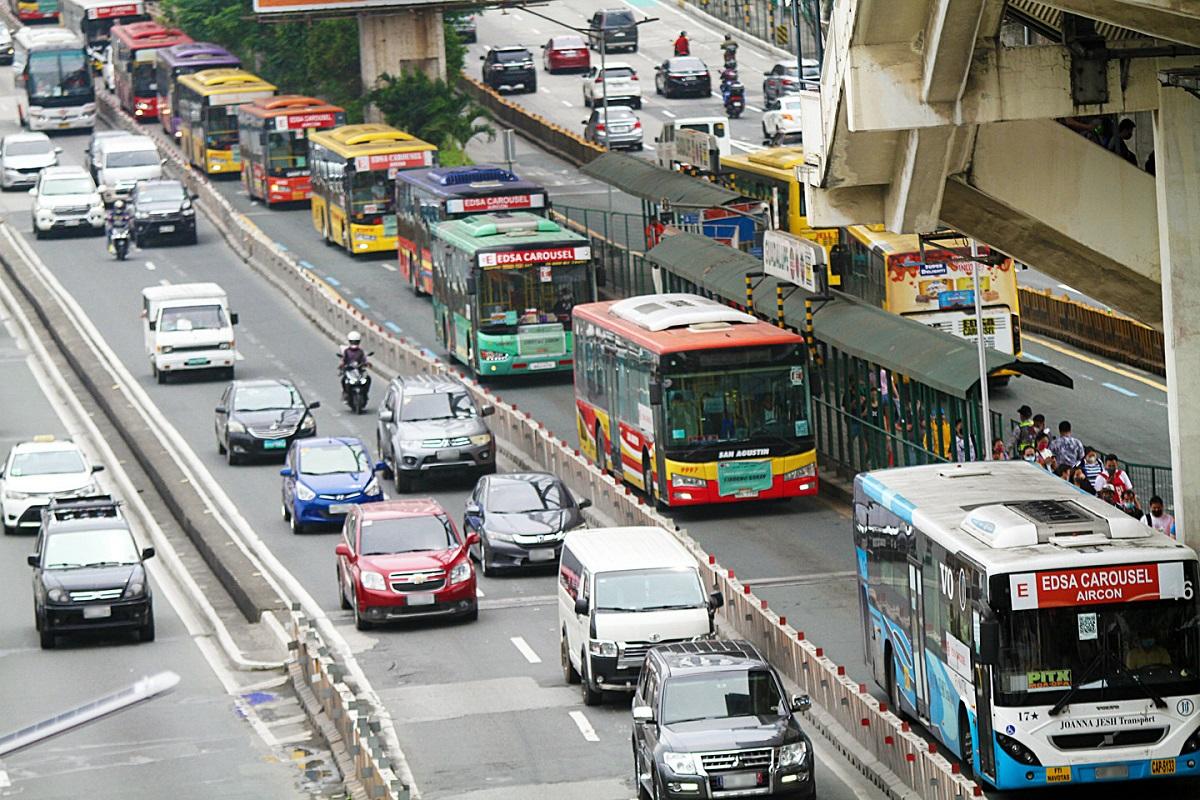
x=430 y=109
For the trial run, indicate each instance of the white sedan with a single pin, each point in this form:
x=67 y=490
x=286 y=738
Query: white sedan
x=40 y=469
x=781 y=125
x=621 y=81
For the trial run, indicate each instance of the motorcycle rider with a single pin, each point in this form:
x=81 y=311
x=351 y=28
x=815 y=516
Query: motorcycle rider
x=352 y=356
x=729 y=48
x=118 y=217
x=682 y=47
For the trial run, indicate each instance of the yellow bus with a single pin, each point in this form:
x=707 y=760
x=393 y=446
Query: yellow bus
x=887 y=270
x=206 y=105
x=353 y=182
x=770 y=175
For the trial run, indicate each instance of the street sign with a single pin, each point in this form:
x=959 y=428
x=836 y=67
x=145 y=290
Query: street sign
x=793 y=259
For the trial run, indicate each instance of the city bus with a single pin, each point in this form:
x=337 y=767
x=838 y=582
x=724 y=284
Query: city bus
x=27 y=11
x=1041 y=634
x=205 y=104
x=692 y=401
x=53 y=80
x=93 y=20
x=133 y=56
x=354 y=169
x=770 y=175
x=504 y=285
x=887 y=270
x=184 y=59
x=273 y=135
x=425 y=197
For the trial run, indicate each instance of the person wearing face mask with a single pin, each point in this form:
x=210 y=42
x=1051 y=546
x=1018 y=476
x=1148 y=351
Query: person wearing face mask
x=1113 y=476
x=1158 y=518
x=1080 y=479
x=1130 y=504
x=1028 y=454
x=1092 y=467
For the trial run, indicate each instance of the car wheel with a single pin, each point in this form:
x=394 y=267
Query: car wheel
x=388 y=473
x=532 y=87
x=284 y=511
x=46 y=639
x=570 y=675
x=220 y=444
x=648 y=482
x=893 y=689
x=231 y=458
x=586 y=102
x=298 y=527
x=359 y=622
x=404 y=484
x=146 y=632
x=484 y=569
x=591 y=696
x=342 y=601
x=9 y=530
x=637 y=103
x=638 y=789
x=472 y=615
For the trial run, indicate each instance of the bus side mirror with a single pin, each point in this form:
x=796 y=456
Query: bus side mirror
x=989 y=642
x=152 y=325
x=839 y=259
x=656 y=396
x=471 y=284
x=233 y=318
x=601 y=278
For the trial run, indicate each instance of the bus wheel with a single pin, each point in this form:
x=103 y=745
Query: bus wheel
x=326 y=233
x=648 y=480
x=893 y=689
x=966 y=745
x=600 y=454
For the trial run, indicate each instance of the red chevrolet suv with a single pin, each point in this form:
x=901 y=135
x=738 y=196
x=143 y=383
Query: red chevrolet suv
x=404 y=558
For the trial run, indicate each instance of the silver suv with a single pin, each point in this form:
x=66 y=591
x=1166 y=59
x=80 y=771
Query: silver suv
x=430 y=424
x=66 y=198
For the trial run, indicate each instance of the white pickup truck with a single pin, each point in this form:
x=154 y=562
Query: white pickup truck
x=188 y=326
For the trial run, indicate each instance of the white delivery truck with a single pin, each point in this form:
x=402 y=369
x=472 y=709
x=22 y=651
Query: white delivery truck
x=188 y=326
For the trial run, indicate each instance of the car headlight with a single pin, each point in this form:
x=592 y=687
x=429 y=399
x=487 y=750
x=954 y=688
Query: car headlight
x=804 y=472
x=373 y=487
x=460 y=572
x=166 y=348
x=501 y=537
x=236 y=427
x=308 y=423
x=793 y=755
x=681 y=763
x=687 y=480
x=483 y=438
x=187 y=211
x=225 y=346
x=412 y=444
x=373 y=580
x=135 y=589
x=141 y=214
x=599 y=647
x=303 y=493
x=56 y=595
x=11 y=495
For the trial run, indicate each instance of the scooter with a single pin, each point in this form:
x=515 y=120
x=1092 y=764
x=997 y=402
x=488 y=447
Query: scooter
x=734 y=95
x=118 y=241
x=356 y=384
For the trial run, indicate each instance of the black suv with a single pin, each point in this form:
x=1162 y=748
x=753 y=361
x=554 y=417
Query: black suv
x=710 y=719
x=508 y=68
x=615 y=28
x=162 y=209
x=88 y=573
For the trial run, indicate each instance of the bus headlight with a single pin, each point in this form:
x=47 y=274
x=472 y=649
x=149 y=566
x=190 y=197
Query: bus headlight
x=1019 y=752
x=804 y=472
x=681 y=480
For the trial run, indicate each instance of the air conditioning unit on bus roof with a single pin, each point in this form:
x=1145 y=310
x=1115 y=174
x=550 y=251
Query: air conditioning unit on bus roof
x=1064 y=523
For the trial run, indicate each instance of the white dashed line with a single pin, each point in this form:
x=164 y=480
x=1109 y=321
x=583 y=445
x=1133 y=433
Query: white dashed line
x=754 y=109
x=150 y=266
x=535 y=30
x=4 y=781
x=524 y=649
x=585 y=727
x=566 y=103
x=388 y=267
x=479 y=592
x=668 y=113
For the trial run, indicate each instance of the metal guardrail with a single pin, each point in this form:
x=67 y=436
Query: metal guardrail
x=616 y=247
x=1093 y=329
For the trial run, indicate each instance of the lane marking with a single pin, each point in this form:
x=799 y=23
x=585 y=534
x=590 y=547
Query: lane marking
x=393 y=327
x=566 y=103
x=164 y=282
x=358 y=301
x=332 y=281
x=521 y=601
x=388 y=267
x=796 y=580
x=150 y=266
x=524 y=649
x=1119 y=389
x=545 y=90
x=306 y=265
x=1124 y=373
x=1033 y=358
x=754 y=108
x=4 y=781
x=585 y=727
x=668 y=113
x=535 y=30
x=479 y=592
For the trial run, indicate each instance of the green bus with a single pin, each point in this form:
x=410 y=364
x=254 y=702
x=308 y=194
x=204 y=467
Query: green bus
x=504 y=286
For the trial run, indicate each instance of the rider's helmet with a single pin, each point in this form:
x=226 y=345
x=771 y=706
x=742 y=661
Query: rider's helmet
x=119 y=205
x=683 y=34
x=354 y=338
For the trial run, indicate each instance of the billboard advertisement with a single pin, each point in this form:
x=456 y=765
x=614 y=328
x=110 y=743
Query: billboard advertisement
x=348 y=6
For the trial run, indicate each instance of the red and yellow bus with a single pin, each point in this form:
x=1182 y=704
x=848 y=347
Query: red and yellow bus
x=134 y=47
x=692 y=401
x=273 y=134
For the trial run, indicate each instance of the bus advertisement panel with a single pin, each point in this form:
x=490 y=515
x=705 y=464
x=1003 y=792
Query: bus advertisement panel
x=134 y=49
x=354 y=170
x=1040 y=634
x=35 y=10
x=184 y=59
x=692 y=401
x=504 y=287
x=53 y=80
x=206 y=104
x=425 y=197
x=93 y=19
x=273 y=133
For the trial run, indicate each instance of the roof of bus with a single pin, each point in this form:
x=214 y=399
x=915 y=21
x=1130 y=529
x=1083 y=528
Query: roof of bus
x=938 y=498
x=467 y=181
x=198 y=51
x=775 y=162
x=282 y=104
x=683 y=339
x=224 y=80
x=121 y=4
x=145 y=35
x=888 y=243
x=507 y=230
x=368 y=139
x=34 y=37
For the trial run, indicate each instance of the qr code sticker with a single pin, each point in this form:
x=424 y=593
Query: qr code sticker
x=1087 y=627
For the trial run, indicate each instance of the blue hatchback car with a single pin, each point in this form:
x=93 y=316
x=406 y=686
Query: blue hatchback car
x=323 y=477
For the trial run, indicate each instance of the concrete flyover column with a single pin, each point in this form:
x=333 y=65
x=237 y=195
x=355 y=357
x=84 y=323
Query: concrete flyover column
x=1177 y=166
x=400 y=41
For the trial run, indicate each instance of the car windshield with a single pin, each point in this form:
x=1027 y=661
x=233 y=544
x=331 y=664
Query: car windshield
x=733 y=405
x=287 y=153
x=789 y=104
x=512 y=56
x=63 y=186
x=160 y=193
x=90 y=548
x=192 y=318
x=518 y=299
x=58 y=74
x=371 y=192
x=523 y=497
x=616 y=115
x=721 y=695
x=265 y=398
x=27 y=148
x=48 y=462
x=687 y=64
x=131 y=158
x=381 y=537
x=648 y=589
x=442 y=405
x=332 y=459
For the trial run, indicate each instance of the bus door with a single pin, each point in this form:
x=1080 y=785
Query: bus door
x=980 y=612
x=916 y=634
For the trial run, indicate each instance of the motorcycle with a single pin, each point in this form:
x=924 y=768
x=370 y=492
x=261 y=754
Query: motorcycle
x=356 y=384
x=118 y=241
x=734 y=96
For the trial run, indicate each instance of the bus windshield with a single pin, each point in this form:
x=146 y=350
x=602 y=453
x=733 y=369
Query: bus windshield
x=370 y=192
x=1107 y=652
x=220 y=127
x=530 y=295
x=62 y=74
x=736 y=405
x=145 y=82
x=287 y=153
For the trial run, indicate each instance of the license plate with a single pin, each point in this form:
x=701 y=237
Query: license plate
x=166 y=228
x=740 y=780
x=543 y=365
x=1058 y=774
x=542 y=554
x=420 y=599
x=195 y=362
x=1119 y=772
x=1162 y=766
x=104 y=612
x=447 y=455
x=64 y=124
x=746 y=493
x=339 y=508
x=274 y=444
x=71 y=222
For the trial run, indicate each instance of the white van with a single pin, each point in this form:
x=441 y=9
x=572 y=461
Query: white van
x=123 y=161
x=620 y=592
x=664 y=144
x=188 y=326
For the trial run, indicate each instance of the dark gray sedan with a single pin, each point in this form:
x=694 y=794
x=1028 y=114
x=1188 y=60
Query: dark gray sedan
x=521 y=519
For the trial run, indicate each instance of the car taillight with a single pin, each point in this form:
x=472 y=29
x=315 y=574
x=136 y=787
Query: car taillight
x=599 y=126
x=633 y=77
x=637 y=124
x=600 y=79
x=789 y=80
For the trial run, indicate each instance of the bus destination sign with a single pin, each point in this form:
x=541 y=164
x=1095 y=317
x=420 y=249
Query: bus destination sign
x=308 y=119
x=1119 y=583
x=413 y=158
x=504 y=202
x=545 y=255
x=114 y=11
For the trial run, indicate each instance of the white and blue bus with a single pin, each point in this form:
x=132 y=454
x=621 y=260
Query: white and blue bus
x=1042 y=635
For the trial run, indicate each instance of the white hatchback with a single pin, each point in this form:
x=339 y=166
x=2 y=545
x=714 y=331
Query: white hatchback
x=620 y=80
x=38 y=470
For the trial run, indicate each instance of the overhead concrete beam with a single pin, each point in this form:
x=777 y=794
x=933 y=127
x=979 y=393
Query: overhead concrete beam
x=837 y=208
x=887 y=21
x=1173 y=20
x=913 y=197
x=949 y=42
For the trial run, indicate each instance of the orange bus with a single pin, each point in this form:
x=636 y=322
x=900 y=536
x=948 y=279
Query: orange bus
x=134 y=47
x=692 y=401
x=273 y=135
